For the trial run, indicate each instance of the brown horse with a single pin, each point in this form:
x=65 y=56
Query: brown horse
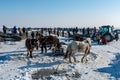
x=30 y=45
x=78 y=46
x=52 y=40
x=48 y=41
x=39 y=37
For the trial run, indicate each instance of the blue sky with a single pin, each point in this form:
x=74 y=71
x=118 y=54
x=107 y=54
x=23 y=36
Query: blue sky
x=59 y=13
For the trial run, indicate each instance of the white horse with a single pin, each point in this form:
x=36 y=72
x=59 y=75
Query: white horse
x=78 y=46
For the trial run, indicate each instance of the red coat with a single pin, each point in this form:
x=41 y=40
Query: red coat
x=104 y=40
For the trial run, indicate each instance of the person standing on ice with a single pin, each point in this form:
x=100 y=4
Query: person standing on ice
x=62 y=32
x=4 y=29
x=83 y=31
x=15 y=30
x=88 y=31
x=116 y=36
x=94 y=30
x=26 y=34
x=68 y=32
x=32 y=35
x=24 y=30
x=98 y=37
x=58 y=32
x=104 y=40
x=48 y=31
x=76 y=30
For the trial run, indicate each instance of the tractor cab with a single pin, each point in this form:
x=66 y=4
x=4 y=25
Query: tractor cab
x=106 y=29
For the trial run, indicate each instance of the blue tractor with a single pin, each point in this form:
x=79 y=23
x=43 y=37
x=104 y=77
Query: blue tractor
x=106 y=32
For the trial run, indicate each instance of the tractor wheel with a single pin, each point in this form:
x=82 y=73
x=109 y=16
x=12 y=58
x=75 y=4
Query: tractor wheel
x=108 y=37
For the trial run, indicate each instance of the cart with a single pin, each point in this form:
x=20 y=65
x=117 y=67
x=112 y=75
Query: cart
x=57 y=50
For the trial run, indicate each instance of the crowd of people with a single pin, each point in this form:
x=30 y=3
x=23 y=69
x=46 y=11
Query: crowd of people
x=62 y=32
x=15 y=30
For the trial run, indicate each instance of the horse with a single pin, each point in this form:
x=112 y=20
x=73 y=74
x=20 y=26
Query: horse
x=52 y=40
x=78 y=46
x=38 y=37
x=30 y=45
x=48 y=41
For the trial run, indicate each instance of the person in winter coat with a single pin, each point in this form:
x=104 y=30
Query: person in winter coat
x=88 y=31
x=98 y=37
x=63 y=33
x=26 y=34
x=4 y=29
x=32 y=35
x=104 y=40
x=57 y=32
x=83 y=31
x=24 y=30
x=116 y=36
x=95 y=30
x=15 y=30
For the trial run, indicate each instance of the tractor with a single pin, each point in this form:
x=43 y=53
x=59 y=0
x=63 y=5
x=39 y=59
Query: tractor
x=106 y=32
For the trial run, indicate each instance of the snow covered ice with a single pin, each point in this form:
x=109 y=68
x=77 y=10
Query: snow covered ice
x=103 y=63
